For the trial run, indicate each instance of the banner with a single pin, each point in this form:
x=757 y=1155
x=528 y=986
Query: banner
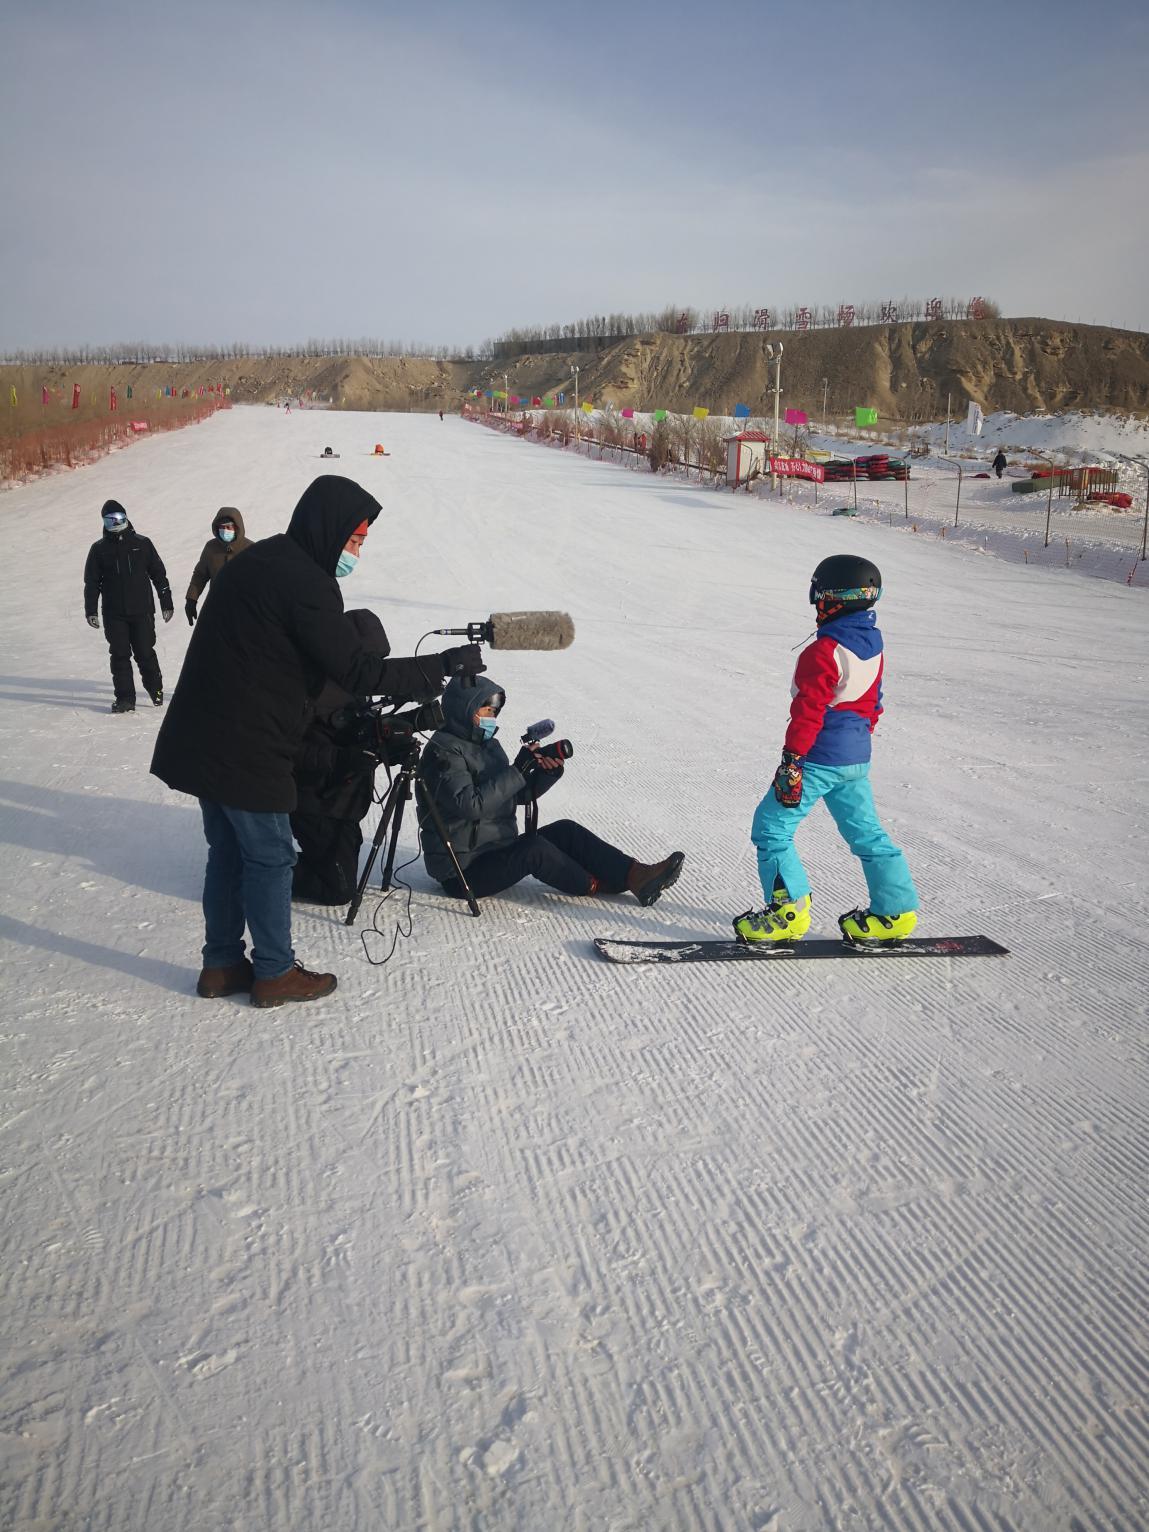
x=659 y=415
x=15 y=401
x=129 y=390
x=741 y=411
x=700 y=412
x=797 y=418
x=548 y=401
x=797 y=468
x=113 y=402
x=974 y=419
x=562 y=398
x=628 y=413
x=138 y=425
x=587 y=407
x=75 y=396
x=45 y=396
x=865 y=415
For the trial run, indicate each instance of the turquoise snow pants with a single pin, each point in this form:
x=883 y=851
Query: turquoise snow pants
x=850 y=801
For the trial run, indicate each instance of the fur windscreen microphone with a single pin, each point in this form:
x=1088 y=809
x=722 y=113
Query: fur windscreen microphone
x=537 y=731
x=518 y=630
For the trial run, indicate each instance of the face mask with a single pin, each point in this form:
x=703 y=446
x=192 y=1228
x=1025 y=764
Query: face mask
x=488 y=727
x=226 y=534
x=346 y=565
x=115 y=523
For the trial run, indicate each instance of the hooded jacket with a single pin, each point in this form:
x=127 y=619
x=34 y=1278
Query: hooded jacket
x=216 y=554
x=470 y=781
x=837 y=692
x=272 y=632
x=120 y=571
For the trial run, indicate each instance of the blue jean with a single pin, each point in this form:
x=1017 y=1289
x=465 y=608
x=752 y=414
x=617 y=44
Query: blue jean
x=247 y=882
x=850 y=801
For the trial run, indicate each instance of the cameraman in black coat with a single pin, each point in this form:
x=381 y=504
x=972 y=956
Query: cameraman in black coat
x=467 y=776
x=335 y=782
x=272 y=632
x=119 y=574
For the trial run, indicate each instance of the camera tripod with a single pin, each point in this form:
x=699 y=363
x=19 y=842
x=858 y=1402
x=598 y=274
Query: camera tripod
x=402 y=789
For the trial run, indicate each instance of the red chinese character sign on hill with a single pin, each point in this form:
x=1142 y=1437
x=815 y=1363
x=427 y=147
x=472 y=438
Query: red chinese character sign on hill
x=976 y=309
x=803 y=319
x=721 y=321
x=934 y=308
x=845 y=315
x=683 y=324
x=761 y=319
x=889 y=313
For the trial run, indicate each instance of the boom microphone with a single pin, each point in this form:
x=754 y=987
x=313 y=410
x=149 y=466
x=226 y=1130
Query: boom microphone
x=518 y=630
x=540 y=730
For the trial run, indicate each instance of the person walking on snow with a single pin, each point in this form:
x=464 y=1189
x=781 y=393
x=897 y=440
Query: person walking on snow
x=121 y=569
x=227 y=539
x=837 y=694
x=999 y=463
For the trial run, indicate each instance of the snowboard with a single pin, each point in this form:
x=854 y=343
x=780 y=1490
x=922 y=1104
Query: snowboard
x=741 y=952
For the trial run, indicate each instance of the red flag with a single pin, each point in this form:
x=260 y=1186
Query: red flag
x=75 y=396
x=113 y=402
x=44 y=394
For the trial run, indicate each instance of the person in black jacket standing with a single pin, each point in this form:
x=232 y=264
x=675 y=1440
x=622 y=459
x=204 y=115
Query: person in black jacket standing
x=119 y=574
x=272 y=632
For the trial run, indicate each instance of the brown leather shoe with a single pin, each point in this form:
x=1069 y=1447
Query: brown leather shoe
x=646 y=880
x=215 y=983
x=296 y=984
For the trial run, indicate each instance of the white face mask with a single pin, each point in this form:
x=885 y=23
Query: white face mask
x=346 y=565
x=226 y=534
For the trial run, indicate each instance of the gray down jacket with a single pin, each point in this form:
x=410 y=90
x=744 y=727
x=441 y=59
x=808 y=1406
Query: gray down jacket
x=470 y=781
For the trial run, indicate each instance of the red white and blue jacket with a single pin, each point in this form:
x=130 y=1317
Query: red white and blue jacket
x=837 y=692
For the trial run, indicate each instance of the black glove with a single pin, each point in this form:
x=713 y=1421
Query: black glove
x=168 y=612
x=536 y=758
x=467 y=660
x=788 y=780
x=93 y=621
x=190 y=613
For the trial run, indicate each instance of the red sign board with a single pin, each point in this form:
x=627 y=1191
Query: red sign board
x=797 y=468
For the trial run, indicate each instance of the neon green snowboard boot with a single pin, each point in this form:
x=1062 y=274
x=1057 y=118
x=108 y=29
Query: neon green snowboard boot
x=785 y=920
x=863 y=928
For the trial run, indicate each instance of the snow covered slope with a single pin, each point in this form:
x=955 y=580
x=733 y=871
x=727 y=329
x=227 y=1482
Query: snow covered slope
x=501 y=1236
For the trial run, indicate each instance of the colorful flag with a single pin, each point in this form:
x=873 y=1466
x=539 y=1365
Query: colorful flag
x=14 y=399
x=865 y=415
x=75 y=396
x=548 y=401
x=700 y=412
x=660 y=415
x=45 y=395
x=536 y=402
x=562 y=398
x=113 y=402
x=797 y=418
x=741 y=411
x=628 y=414
x=587 y=407
x=129 y=390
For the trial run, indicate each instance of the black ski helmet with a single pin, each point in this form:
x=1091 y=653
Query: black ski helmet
x=844 y=583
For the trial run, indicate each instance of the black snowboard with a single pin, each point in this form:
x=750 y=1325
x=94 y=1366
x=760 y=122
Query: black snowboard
x=741 y=952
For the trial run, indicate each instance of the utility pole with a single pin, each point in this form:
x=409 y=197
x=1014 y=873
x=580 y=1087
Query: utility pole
x=506 y=397
x=774 y=356
x=574 y=370
x=825 y=396
x=949 y=401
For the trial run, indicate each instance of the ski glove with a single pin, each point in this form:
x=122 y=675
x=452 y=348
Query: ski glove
x=533 y=758
x=168 y=612
x=189 y=613
x=93 y=621
x=788 y=780
x=466 y=660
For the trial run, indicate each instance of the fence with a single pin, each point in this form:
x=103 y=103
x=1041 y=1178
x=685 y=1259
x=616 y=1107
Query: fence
x=40 y=448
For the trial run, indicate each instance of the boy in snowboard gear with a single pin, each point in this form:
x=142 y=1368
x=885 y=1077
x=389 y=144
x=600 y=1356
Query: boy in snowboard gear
x=837 y=694
x=119 y=574
x=227 y=539
x=467 y=775
x=273 y=630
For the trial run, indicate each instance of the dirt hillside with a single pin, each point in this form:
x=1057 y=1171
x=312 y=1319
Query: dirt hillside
x=905 y=370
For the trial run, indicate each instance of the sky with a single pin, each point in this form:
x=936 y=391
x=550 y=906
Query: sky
x=441 y=171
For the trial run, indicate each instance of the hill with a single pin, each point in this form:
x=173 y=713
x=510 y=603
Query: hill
x=905 y=370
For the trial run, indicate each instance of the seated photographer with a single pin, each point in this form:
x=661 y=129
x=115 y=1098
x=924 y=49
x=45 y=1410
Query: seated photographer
x=476 y=789
x=334 y=780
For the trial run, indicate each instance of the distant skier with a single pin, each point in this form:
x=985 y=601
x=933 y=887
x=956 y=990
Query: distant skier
x=440 y=414
x=999 y=463
x=227 y=539
x=118 y=577
x=837 y=702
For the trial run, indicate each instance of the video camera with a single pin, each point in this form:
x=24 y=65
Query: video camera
x=388 y=735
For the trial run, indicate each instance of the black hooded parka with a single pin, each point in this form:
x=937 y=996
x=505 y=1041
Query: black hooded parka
x=272 y=632
x=120 y=571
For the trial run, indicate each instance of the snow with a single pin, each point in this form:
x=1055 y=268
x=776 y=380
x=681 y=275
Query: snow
x=504 y=1236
